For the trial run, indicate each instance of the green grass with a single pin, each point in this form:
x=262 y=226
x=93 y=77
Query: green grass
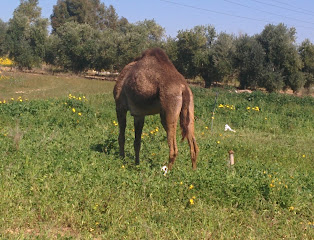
x=37 y=86
x=61 y=176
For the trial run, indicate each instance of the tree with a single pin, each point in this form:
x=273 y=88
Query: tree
x=134 y=39
x=30 y=9
x=193 y=52
x=201 y=52
x=222 y=54
x=91 y=12
x=250 y=61
x=306 y=52
x=279 y=45
x=111 y=18
x=76 y=45
x=3 y=32
x=26 y=35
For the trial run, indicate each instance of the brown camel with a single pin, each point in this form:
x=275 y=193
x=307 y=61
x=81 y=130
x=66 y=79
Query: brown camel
x=151 y=85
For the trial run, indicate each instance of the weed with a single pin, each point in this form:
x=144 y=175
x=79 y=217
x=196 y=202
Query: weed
x=67 y=181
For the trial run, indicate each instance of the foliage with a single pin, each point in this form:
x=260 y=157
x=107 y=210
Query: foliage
x=250 y=61
x=223 y=50
x=194 y=52
x=306 y=51
x=281 y=53
x=76 y=46
x=86 y=34
x=134 y=38
x=272 y=79
x=26 y=35
x=91 y=12
x=3 y=32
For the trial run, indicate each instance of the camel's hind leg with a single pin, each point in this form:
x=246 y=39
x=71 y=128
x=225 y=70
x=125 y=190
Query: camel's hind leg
x=121 y=115
x=138 y=125
x=193 y=150
x=169 y=121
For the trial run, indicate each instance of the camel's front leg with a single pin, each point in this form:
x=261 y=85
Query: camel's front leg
x=138 y=125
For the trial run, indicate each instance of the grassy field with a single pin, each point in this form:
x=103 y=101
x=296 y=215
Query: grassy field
x=61 y=176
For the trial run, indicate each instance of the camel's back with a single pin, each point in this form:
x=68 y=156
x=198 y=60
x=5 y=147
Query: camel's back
x=152 y=71
x=147 y=79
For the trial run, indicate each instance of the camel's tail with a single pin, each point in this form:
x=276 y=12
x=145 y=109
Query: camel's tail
x=187 y=123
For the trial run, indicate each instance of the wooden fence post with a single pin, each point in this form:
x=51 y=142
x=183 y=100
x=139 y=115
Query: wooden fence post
x=231 y=157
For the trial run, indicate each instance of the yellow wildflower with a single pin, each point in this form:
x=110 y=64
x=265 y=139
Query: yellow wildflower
x=73 y=110
x=191 y=186
x=80 y=114
x=6 y=62
x=291 y=208
x=191 y=201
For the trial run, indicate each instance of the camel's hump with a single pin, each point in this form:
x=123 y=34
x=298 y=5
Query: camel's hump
x=157 y=53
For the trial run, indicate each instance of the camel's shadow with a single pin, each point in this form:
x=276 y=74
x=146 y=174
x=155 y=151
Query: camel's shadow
x=108 y=147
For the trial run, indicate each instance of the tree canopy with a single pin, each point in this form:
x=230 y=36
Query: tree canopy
x=87 y=34
x=91 y=12
x=26 y=35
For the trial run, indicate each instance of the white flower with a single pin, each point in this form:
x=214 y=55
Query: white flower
x=228 y=128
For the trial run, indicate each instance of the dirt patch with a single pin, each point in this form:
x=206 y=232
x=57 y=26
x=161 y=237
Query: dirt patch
x=52 y=233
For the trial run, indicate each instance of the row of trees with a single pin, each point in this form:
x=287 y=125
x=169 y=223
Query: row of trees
x=270 y=59
x=86 y=34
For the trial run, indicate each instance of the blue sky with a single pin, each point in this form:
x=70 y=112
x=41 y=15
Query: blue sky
x=230 y=16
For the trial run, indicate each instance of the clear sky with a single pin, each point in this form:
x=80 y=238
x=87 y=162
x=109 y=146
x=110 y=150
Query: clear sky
x=230 y=16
